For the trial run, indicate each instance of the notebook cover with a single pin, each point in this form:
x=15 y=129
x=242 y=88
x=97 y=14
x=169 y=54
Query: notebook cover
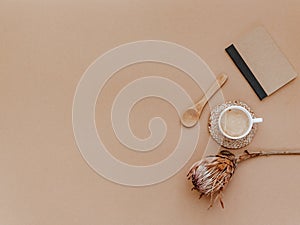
x=261 y=62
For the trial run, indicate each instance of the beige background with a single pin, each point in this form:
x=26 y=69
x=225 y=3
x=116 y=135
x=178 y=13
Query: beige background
x=45 y=48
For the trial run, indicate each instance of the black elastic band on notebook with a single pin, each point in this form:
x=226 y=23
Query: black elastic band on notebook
x=245 y=70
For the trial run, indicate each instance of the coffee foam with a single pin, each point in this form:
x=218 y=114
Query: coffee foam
x=235 y=122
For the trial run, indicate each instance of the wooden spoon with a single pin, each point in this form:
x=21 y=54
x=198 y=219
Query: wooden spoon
x=191 y=116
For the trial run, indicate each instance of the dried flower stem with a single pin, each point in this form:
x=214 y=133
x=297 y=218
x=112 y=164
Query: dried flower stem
x=248 y=155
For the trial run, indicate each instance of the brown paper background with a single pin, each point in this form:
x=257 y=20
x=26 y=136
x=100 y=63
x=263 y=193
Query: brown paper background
x=45 y=48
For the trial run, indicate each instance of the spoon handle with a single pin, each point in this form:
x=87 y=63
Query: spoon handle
x=221 y=79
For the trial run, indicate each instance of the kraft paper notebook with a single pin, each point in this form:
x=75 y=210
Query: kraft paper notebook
x=261 y=62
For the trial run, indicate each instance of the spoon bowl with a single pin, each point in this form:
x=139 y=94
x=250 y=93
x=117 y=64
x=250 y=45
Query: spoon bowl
x=190 y=117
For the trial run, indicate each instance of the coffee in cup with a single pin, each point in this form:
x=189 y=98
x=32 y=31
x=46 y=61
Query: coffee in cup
x=235 y=122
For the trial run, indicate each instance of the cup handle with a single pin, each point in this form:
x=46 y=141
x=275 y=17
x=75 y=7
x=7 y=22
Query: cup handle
x=257 y=120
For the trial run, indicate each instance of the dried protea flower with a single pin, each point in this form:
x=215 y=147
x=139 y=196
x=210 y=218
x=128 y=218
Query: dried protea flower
x=211 y=175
